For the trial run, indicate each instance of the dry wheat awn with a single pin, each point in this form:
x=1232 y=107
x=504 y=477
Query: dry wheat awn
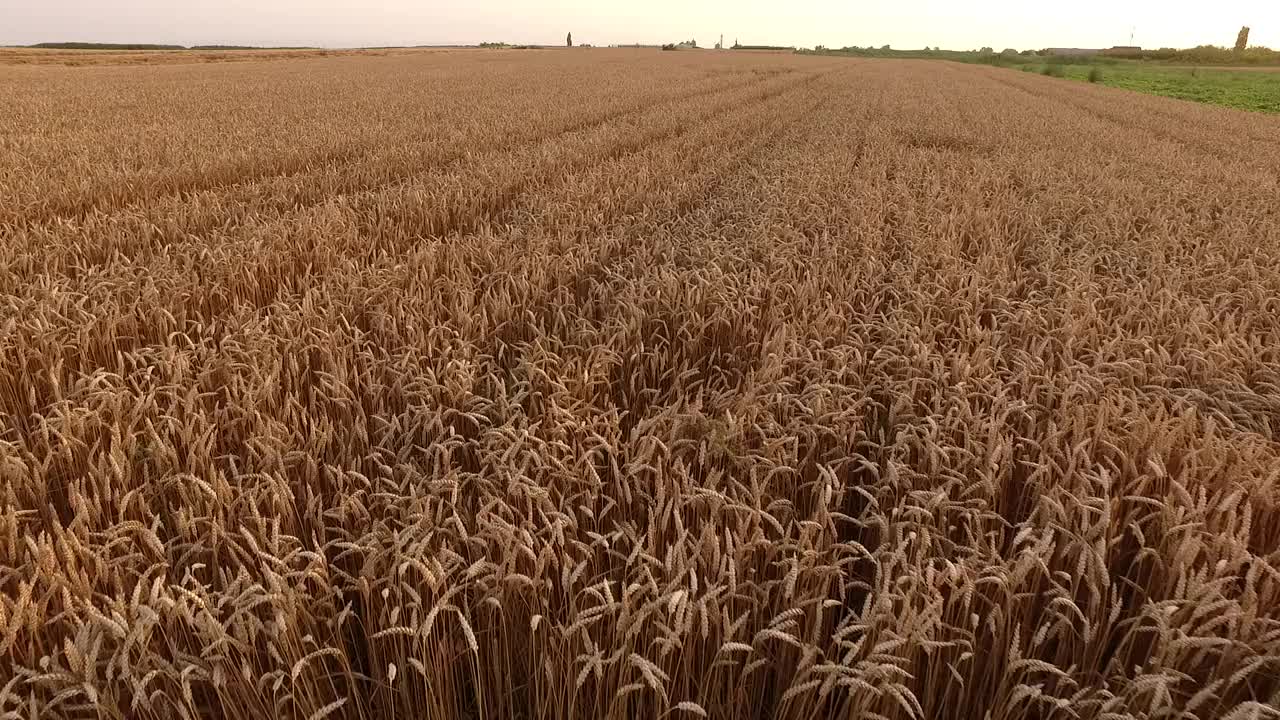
x=611 y=383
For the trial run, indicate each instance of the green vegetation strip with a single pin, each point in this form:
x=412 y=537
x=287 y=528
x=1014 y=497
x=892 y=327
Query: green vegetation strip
x=1242 y=89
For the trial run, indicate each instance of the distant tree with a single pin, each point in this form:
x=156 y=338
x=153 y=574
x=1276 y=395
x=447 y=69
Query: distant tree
x=1260 y=55
x=1242 y=40
x=987 y=51
x=568 y=40
x=886 y=47
x=1206 y=55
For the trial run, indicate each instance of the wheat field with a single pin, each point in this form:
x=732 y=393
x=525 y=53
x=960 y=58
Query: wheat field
x=627 y=384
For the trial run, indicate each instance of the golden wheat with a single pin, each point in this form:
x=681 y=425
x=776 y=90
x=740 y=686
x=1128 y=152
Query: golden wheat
x=614 y=383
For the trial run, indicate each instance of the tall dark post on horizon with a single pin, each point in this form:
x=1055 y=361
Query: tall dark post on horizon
x=568 y=40
x=1242 y=40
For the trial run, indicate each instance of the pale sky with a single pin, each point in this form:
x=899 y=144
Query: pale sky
x=901 y=23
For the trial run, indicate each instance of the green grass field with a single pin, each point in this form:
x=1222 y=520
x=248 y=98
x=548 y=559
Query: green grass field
x=1244 y=89
x=1245 y=86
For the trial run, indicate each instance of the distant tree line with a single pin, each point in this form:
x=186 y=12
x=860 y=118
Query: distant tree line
x=150 y=46
x=248 y=47
x=1202 y=55
x=105 y=46
x=684 y=45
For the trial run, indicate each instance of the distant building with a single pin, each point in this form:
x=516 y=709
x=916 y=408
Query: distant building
x=1124 y=51
x=1072 y=52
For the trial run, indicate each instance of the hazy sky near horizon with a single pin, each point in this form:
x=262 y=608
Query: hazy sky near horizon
x=900 y=23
